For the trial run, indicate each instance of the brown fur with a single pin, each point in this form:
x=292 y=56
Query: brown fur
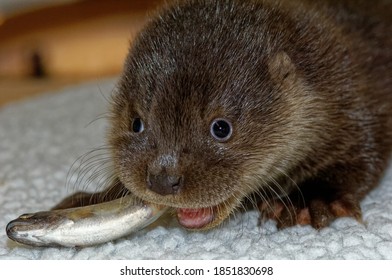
x=306 y=85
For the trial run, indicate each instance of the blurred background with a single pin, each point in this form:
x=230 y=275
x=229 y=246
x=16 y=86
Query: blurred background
x=48 y=44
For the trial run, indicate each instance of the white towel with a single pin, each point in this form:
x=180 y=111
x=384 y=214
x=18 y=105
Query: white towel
x=41 y=138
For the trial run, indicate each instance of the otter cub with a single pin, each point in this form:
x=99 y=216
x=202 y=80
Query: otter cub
x=287 y=104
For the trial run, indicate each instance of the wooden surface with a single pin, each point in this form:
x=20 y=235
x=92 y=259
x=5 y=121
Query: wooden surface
x=12 y=90
x=75 y=42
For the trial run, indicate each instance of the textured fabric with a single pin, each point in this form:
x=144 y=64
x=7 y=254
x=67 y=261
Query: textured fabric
x=40 y=140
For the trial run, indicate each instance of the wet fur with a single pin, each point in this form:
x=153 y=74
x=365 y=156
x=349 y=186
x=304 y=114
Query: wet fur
x=306 y=84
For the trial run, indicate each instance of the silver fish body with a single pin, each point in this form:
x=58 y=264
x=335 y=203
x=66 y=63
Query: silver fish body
x=83 y=226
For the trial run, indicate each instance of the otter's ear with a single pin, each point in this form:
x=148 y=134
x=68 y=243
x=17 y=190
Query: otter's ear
x=282 y=69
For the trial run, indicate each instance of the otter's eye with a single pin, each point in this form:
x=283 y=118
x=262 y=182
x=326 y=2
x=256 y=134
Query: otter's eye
x=221 y=130
x=137 y=125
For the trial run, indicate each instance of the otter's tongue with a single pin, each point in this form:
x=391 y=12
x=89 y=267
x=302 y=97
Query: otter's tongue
x=195 y=218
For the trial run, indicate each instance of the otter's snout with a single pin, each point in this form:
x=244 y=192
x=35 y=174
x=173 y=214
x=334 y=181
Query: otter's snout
x=164 y=184
x=164 y=176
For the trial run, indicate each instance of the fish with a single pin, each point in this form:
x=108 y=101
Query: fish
x=84 y=226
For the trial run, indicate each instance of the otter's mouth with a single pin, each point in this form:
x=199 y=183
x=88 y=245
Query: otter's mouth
x=206 y=217
x=195 y=218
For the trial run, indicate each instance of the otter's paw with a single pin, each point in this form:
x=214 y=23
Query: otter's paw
x=284 y=214
x=317 y=212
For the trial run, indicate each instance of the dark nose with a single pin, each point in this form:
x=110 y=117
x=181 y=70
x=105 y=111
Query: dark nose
x=164 y=184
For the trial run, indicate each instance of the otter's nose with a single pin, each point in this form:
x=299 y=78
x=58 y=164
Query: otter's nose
x=164 y=184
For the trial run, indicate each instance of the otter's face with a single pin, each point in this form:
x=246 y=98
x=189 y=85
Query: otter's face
x=198 y=123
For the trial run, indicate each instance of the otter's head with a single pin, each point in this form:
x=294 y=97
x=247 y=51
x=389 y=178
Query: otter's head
x=208 y=111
